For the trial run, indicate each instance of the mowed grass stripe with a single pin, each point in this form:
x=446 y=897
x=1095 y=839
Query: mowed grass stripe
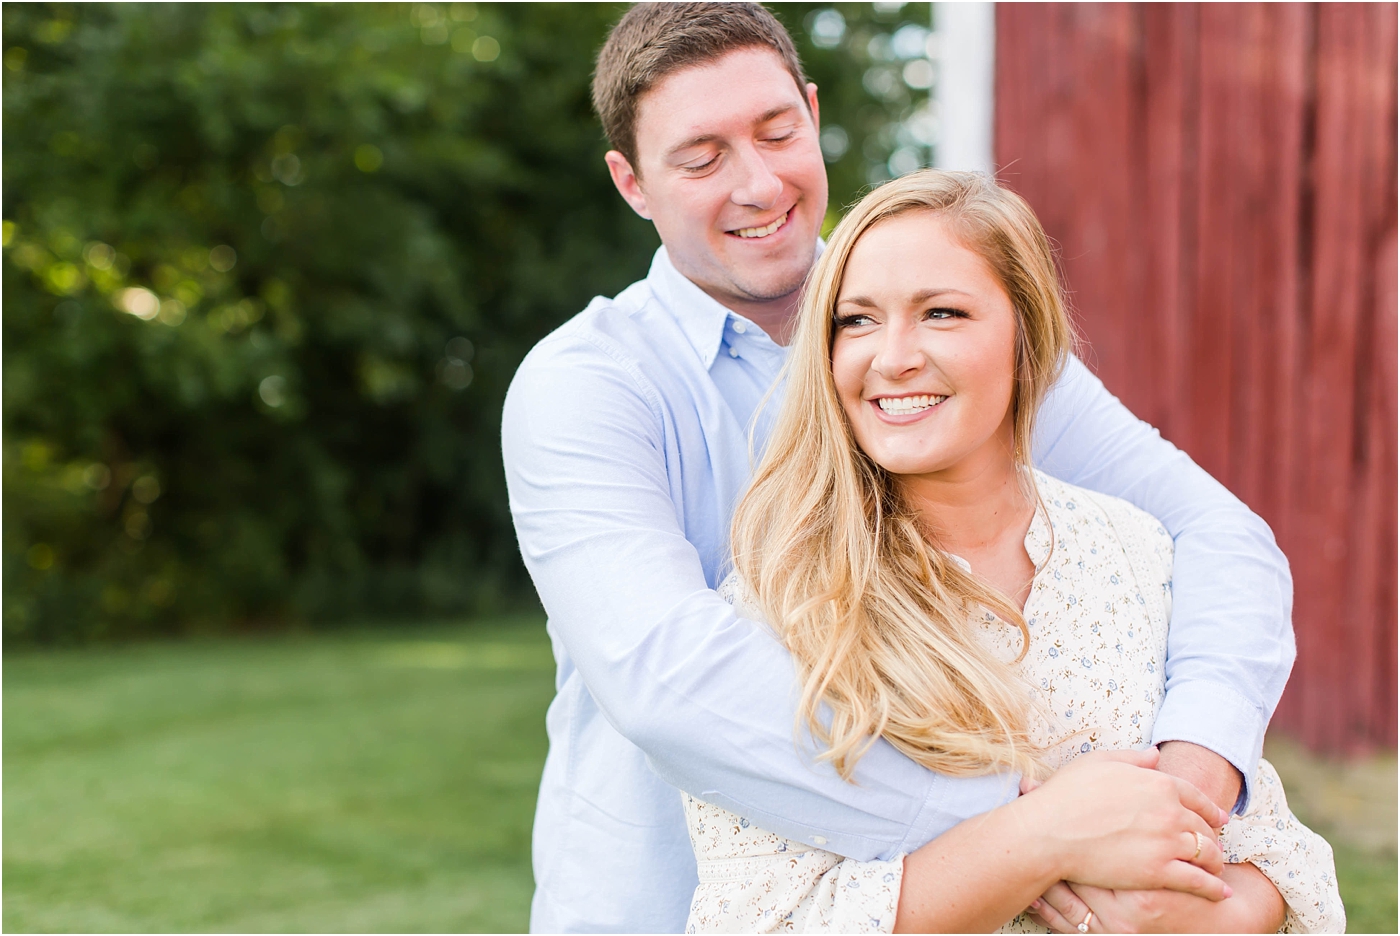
x=350 y=783
x=370 y=782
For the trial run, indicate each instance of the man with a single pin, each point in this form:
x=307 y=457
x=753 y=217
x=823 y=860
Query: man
x=625 y=444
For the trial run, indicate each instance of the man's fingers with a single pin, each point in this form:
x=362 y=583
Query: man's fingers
x=1187 y=878
x=1200 y=804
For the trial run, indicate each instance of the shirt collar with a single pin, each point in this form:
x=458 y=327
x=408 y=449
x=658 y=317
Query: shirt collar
x=701 y=318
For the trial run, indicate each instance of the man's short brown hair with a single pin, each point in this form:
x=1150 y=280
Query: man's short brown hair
x=654 y=39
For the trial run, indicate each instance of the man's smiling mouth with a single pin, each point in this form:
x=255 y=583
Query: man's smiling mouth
x=908 y=405
x=763 y=231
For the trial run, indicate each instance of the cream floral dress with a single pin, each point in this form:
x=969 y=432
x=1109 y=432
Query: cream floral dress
x=1097 y=616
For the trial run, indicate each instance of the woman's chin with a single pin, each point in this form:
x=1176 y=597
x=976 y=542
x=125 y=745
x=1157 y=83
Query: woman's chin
x=914 y=465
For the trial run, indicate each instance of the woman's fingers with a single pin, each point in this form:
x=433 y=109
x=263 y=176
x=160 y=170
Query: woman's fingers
x=1203 y=850
x=1189 y=879
x=1200 y=804
x=1051 y=918
x=1065 y=903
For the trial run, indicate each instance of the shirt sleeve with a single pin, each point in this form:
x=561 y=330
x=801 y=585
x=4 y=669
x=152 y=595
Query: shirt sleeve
x=1230 y=644
x=706 y=695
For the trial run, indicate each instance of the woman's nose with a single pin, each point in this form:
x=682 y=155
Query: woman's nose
x=899 y=354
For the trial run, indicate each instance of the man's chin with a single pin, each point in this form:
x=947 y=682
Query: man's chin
x=770 y=285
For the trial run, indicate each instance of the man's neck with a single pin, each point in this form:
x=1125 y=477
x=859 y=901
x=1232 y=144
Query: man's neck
x=777 y=317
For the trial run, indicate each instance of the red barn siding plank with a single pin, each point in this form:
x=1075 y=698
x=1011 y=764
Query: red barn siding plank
x=1221 y=181
x=1347 y=184
x=1171 y=65
x=1381 y=466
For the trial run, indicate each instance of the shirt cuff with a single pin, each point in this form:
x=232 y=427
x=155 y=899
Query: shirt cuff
x=1218 y=718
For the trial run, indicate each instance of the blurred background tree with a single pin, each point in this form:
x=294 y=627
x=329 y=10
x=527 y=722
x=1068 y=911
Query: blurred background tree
x=270 y=268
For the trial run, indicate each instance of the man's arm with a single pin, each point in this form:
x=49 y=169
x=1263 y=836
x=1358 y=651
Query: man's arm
x=1230 y=643
x=709 y=697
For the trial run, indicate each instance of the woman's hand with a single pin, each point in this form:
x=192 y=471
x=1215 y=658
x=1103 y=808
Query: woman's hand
x=1109 y=819
x=1256 y=907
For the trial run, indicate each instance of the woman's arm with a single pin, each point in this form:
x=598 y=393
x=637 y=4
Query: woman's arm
x=1108 y=818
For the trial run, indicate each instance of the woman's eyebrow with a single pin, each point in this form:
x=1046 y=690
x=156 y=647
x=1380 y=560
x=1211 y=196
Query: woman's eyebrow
x=922 y=295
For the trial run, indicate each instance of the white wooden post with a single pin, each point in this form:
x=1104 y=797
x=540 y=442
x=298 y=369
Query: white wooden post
x=966 y=72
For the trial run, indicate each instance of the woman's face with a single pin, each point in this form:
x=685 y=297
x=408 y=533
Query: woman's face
x=924 y=354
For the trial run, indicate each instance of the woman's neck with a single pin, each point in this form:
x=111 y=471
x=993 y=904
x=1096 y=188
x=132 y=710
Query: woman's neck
x=980 y=512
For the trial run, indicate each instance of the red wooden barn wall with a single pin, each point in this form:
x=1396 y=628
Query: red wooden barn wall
x=1221 y=180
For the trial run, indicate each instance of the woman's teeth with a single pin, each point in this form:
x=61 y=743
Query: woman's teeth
x=904 y=406
x=763 y=231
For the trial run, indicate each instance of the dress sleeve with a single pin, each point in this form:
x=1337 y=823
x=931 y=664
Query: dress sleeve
x=1230 y=646
x=1295 y=859
x=753 y=881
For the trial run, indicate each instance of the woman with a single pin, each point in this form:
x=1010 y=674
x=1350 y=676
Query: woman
x=980 y=616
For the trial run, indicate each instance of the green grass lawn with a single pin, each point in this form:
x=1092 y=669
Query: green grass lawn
x=362 y=782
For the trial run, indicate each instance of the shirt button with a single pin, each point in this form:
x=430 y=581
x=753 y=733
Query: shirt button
x=733 y=352
x=819 y=839
x=740 y=327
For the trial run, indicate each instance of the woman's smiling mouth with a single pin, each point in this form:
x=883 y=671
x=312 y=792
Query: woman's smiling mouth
x=908 y=405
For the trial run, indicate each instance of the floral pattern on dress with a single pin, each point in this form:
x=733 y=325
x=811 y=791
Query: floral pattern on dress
x=1097 y=615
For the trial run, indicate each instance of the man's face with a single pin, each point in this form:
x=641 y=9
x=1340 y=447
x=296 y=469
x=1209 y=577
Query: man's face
x=731 y=174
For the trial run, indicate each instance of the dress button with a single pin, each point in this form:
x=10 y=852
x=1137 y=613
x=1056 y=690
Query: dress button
x=733 y=352
x=819 y=839
x=740 y=327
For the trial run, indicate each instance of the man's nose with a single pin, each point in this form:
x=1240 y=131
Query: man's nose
x=758 y=187
x=899 y=354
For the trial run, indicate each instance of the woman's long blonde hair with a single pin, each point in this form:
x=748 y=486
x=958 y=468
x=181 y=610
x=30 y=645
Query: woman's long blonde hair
x=879 y=620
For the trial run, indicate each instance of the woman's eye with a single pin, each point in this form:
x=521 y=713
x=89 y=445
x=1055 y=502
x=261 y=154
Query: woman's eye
x=945 y=313
x=853 y=321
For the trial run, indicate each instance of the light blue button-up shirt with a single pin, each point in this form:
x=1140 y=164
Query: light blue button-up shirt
x=626 y=449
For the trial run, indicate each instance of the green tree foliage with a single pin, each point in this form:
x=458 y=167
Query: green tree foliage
x=268 y=272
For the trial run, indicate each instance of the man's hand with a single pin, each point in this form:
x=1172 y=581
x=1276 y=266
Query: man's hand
x=1204 y=769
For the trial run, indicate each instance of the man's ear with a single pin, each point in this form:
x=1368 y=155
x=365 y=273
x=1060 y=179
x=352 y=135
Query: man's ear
x=628 y=186
x=812 y=105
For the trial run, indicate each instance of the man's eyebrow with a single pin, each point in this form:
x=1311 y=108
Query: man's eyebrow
x=922 y=295
x=704 y=138
x=693 y=141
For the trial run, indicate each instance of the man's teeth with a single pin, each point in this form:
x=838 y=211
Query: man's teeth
x=763 y=231
x=903 y=406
